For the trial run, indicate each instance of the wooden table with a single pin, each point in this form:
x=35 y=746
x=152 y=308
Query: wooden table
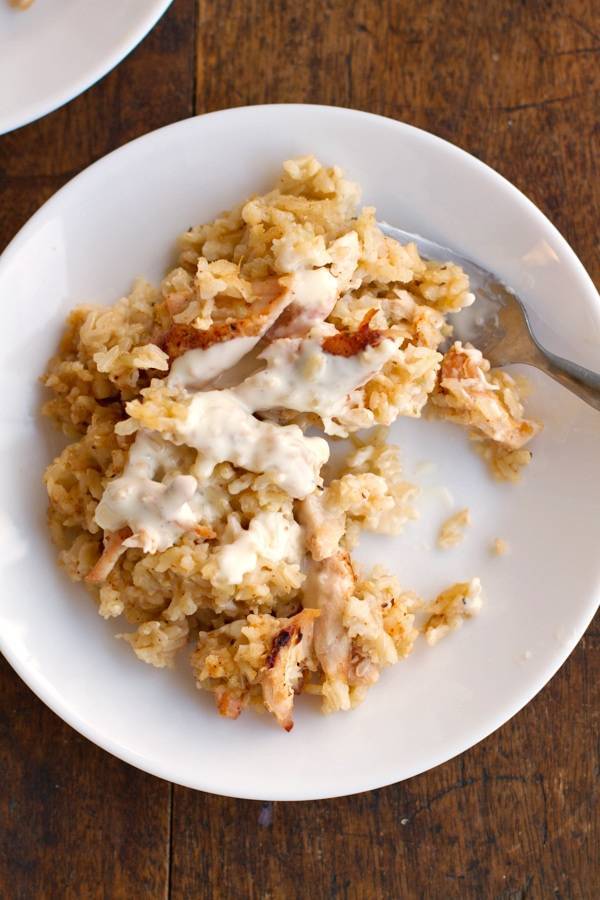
x=516 y=84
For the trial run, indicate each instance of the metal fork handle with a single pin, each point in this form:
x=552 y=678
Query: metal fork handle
x=582 y=382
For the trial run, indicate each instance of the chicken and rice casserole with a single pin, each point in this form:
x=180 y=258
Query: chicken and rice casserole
x=197 y=498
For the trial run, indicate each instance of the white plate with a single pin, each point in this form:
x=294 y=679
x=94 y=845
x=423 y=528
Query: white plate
x=56 y=49
x=119 y=219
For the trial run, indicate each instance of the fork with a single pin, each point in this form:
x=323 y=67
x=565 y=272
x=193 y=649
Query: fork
x=500 y=326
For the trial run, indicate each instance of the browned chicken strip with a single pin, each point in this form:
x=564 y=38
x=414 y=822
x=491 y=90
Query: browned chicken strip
x=271 y=298
x=349 y=343
x=290 y=656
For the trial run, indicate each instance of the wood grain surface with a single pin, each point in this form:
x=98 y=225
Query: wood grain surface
x=516 y=84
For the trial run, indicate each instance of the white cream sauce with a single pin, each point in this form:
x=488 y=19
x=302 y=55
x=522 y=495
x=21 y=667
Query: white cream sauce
x=197 y=367
x=160 y=506
x=222 y=428
x=271 y=536
x=157 y=511
x=314 y=294
x=345 y=253
x=301 y=376
x=159 y=503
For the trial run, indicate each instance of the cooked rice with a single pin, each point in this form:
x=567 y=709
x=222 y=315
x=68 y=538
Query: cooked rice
x=504 y=463
x=450 y=609
x=452 y=531
x=500 y=547
x=488 y=402
x=259 y=639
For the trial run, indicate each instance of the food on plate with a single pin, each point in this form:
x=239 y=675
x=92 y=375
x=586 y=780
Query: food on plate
x=489 y=403
x=452 y=531
x=451 y=608
x=500 y=547
x=198 y=497
x=21 y=4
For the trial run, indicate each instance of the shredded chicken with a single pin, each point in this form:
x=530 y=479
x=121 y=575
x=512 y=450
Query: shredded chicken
x=323 y=527
x=117 y=542
x=328 y=588
x=469 y=394
x=363 y=499
x=114 y=546
x=290 y=656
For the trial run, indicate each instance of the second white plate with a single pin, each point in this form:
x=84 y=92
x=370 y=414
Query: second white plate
x=56 y=49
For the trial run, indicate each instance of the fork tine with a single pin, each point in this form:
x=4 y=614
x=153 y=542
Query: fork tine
x=498 y=323
x=479 y=324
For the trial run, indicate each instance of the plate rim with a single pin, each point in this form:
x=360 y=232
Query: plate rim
x=48 y=695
